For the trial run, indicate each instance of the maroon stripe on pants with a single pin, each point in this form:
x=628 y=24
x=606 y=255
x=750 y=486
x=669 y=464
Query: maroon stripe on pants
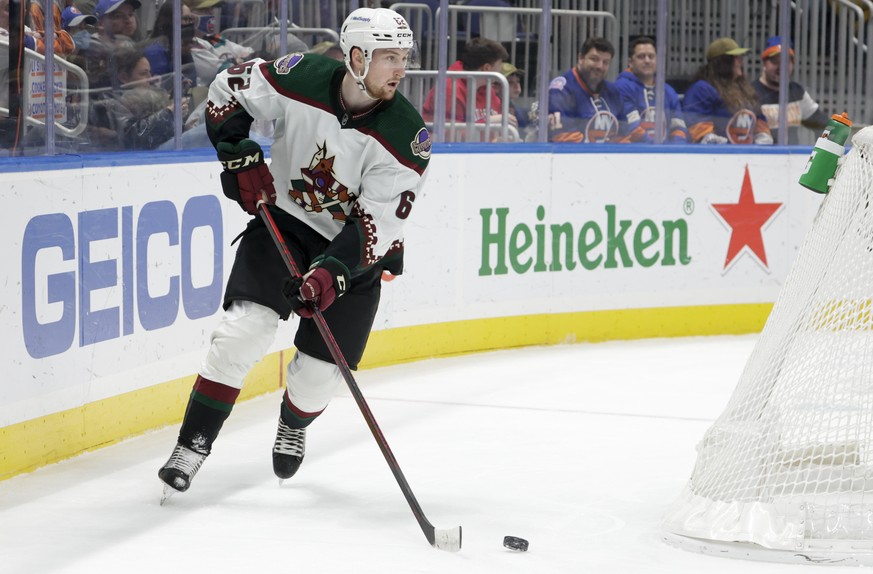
x=216 y=391
x=297 y=412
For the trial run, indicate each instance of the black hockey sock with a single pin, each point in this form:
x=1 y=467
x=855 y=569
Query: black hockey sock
x=294 y=417
x=208 y=407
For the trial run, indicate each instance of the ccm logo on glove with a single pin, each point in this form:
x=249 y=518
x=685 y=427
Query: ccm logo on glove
x=244 y=162
x=246 y=178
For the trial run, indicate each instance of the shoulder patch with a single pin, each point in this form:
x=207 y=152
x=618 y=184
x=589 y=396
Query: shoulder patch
x=284 y=64
x=558 y=83
x=421 y=144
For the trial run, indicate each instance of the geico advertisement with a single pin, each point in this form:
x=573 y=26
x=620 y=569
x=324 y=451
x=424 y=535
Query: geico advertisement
x=114 y=276
x=504 y=235
x=114 y=279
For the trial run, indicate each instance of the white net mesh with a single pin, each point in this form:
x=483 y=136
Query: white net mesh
x=789 y=463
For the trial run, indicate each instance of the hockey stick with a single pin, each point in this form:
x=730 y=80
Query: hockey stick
x=442 y=539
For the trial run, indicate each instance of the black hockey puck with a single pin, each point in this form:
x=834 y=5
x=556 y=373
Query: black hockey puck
x=515 y=543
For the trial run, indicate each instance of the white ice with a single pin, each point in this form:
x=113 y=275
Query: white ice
x=577 y=448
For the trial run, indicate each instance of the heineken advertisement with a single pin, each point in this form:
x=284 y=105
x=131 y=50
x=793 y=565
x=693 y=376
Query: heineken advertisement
x=510 y=245
x=498 y=235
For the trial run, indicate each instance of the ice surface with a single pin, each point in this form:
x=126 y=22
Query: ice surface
x=577 y=448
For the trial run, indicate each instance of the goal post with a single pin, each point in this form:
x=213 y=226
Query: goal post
x=786 y=471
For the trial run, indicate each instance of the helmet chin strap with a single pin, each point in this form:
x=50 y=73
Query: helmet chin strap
x=359 y=80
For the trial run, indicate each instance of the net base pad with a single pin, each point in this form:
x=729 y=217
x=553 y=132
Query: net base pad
x=824 y=553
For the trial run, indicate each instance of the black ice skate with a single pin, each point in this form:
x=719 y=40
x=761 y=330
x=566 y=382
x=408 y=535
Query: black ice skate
x=178 y=472
x=288 y=450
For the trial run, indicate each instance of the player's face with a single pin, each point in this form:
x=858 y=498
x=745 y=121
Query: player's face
x=593 y=67
x=772 y=68
x=644 y=60
x=387 y=68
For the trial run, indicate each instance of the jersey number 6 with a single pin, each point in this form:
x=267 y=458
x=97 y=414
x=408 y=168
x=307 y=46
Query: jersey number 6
x=406 y=199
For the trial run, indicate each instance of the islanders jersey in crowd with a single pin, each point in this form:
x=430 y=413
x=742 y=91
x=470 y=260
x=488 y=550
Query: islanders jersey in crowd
x=642 y=98
x=352 y=177
x=706 y=112
x=579 y=115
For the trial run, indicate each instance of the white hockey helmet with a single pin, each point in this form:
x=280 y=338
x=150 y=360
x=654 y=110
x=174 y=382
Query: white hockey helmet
x=372 y=29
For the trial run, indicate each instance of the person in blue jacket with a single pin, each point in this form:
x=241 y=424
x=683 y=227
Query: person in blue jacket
x=584 y=107
x=721 y=105
x=637 y=87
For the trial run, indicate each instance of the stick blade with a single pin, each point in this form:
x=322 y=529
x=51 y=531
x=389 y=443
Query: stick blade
x=448 y=539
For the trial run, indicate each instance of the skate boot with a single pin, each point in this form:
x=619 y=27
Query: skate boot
x=288 y=450
x=178 y=472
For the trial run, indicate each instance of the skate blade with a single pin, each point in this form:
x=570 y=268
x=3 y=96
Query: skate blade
x=169 y=491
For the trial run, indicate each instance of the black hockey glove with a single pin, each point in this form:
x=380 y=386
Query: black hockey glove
x=326 y=280
x=246 y=178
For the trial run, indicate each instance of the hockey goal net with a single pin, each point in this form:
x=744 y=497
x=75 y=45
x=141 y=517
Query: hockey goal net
x=786 y=472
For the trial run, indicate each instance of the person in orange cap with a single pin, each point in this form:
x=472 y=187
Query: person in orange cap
x=801 y=110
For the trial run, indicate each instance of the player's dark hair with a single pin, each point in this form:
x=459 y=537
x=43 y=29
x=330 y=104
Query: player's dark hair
x=640 y=41
x=480 y=51
x=737 y=93
x=597 y=43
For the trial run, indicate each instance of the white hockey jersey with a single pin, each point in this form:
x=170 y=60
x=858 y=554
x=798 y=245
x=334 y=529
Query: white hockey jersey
x=346 y=175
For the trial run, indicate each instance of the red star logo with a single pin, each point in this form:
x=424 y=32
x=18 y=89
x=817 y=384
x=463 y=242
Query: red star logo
x=746 y=218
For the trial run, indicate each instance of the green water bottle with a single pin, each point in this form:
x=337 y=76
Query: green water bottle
x=822 y=164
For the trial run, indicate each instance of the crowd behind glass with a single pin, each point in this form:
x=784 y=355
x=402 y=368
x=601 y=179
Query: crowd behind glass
x=115 y=86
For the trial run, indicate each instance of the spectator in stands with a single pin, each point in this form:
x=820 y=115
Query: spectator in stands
x=802 y=109
x=637 y=87
x=479 y=55
x=159 y=46
x=584 y=107
x=721 y=105
x=63 y=44
x=116 y=29
x=137 y=116
x=211 y=52
x=520 y=112
x=78 y=26
x=29 y=43
x=117 y=22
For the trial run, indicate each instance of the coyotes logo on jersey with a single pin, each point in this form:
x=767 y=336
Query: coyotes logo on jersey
x=319 y=190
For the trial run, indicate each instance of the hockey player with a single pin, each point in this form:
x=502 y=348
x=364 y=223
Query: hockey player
x=348 y=160
x=584 y=107
x=637 y=87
